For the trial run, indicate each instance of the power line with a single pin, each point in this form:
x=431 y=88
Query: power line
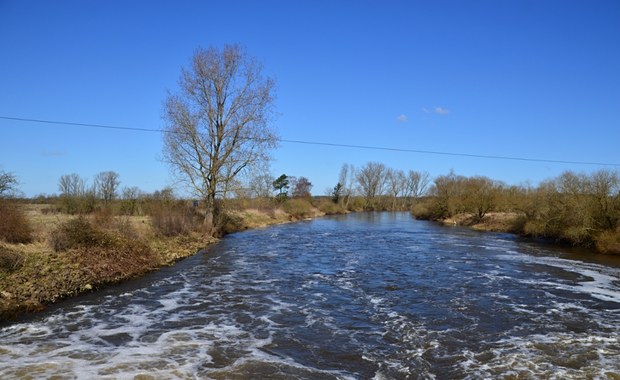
x=337 y=145
x=81 y=124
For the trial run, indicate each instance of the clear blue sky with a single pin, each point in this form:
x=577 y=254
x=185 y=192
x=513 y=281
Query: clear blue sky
x=531 y=79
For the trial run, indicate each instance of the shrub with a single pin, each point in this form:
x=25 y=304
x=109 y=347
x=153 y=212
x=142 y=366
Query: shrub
x=103 y=217
x=577 y=236
x=10 y=260
x=173 y=219
x=609 y=242
x=14 y=226
x=78 y=204
x=77 y=233
x=298 y=208
x=105 y=255
x=230 y=223
x=122 y=259
x=517 y=226
x=330 y=208
x=422 y=211
x=535 y=228
x=356 y=204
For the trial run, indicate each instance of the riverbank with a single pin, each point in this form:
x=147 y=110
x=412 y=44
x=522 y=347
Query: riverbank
x=69 y=255
x=492 y=222
x=515 y=223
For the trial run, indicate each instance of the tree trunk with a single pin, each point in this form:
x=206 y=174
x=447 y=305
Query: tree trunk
x=210 y=228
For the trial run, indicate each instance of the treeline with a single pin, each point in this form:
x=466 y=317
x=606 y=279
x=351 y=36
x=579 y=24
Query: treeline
x=577 y=208
x=373 y=187
x=77 y=196
x=105 y=202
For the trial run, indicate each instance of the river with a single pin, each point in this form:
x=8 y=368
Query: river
x=361 y=296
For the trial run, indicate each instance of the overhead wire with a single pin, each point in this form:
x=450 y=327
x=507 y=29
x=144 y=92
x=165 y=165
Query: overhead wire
x=329 y=144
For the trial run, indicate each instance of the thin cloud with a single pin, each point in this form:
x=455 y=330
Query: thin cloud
x=52 y=153
x=436 y=110
x=402 y=118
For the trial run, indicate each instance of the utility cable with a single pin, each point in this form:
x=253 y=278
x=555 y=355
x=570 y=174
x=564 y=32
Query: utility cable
x=337 y=145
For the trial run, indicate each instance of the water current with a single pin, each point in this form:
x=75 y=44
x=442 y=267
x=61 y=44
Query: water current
x=361 y=296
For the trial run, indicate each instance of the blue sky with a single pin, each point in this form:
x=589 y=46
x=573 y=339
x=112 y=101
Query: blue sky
x=531 y=79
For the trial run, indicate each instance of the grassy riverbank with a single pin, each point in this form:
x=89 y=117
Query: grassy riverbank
x=50 y=255
x=517 y=223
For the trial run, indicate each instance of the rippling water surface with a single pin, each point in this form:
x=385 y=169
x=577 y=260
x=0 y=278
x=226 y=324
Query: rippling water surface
x=360 y=296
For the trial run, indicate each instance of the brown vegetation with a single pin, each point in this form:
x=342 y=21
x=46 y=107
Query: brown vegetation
x=579 y=209
x=67 y=255
x=298 y=208
x=14 y=226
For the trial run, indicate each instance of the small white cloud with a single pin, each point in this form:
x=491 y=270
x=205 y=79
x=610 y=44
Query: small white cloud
x=425 y=110
x=442 y=111
x=402 y=118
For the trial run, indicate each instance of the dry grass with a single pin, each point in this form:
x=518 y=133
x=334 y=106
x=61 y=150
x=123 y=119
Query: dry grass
x=90 y=252
x=43 y=221
x=299 y=208
x=95 y=250
x=255 y=218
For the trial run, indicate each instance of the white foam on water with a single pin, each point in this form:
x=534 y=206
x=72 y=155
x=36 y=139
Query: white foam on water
x=179 y=353
x=241 y=323
x=550 y=356
x=602 y=281
x=376 y=300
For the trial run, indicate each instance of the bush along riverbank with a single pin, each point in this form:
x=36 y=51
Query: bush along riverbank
x=578 y=209
x=47 y=254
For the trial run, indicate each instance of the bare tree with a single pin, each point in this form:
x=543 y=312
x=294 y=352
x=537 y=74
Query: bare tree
x=396 y=184
x=8 y=183
x=261 y=185
x=347 y=180
x=302 y=187
x=371 y=179
x=416 y=185
x=131 y=197
x=106 y=185
x=218 y=123
x=71 y=185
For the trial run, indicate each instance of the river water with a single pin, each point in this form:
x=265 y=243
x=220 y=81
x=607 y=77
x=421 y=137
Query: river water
x=361 y=296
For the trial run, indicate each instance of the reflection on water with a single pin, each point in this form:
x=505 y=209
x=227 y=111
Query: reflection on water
x=359 y=296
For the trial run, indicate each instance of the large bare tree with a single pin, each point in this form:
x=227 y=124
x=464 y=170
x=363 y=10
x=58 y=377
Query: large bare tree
x=106 y=185
x=217 y=124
